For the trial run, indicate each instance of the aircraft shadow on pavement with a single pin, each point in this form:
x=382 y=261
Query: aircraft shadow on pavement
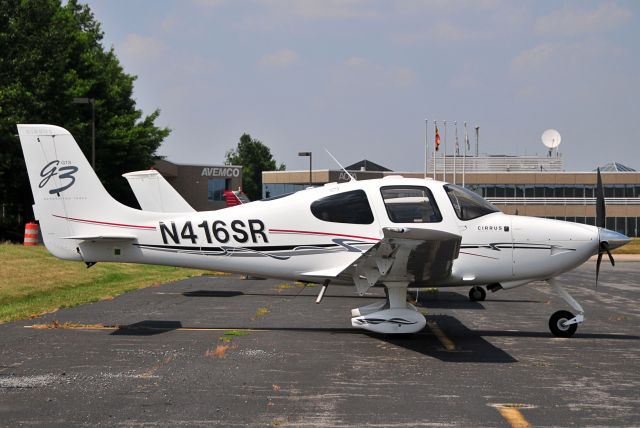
x=447 y=300
x=284 y=293
x=546 y=334
x=147 y=328
x=469 y=346
x=213 y=293
x=455 y=300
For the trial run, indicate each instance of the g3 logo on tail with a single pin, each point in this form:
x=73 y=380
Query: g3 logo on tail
x=65 y=173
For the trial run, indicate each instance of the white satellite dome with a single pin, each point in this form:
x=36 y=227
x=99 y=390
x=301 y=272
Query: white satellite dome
x=551 y=138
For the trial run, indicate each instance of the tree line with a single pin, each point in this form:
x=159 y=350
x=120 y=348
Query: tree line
x=53 y=53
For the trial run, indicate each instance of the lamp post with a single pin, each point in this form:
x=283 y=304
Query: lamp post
x=91 y=101
x=310 y=158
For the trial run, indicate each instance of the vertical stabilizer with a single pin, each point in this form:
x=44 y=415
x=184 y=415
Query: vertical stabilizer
x=69 y=198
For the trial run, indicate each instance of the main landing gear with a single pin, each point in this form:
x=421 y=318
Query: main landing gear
x=477 y=294
x=392 y=316
x=564 y=323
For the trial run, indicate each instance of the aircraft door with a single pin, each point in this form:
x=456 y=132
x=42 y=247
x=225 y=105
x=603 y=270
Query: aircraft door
x=487 y=241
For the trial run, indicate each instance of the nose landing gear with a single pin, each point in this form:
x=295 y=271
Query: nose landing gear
x=564 y=323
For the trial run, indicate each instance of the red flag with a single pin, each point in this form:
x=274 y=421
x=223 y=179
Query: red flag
x=437 y=139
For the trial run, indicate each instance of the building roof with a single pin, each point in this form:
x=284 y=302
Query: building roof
x=366 y=165
x=615 y=167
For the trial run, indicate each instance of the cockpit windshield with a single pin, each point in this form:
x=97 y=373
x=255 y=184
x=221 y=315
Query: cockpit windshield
x=468 y=205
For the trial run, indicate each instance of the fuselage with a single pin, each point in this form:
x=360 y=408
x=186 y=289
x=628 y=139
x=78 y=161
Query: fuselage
x=305 y=235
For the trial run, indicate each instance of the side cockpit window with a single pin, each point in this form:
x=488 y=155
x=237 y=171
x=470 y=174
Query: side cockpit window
x=410 y=204
x=348 y=207
x=467 y=204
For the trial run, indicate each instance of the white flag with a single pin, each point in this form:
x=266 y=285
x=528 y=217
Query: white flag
x=466 y=137
x=457 y=145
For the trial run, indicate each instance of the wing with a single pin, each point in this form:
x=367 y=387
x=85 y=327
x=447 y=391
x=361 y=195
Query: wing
x=416 y=256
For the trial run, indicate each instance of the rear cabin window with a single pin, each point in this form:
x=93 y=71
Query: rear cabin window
x=348 y=207
x=410 y=204
x=467 y=204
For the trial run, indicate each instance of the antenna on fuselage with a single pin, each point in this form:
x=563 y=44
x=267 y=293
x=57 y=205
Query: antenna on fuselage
x=351 y=178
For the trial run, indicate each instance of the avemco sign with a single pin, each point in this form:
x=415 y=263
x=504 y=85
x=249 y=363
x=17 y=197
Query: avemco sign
x=220 y=171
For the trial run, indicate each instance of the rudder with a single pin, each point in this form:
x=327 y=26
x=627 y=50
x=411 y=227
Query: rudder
x=66 y=190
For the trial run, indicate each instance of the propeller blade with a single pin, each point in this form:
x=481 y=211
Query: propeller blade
x=601 y=213
x=605 y=245
x=598 y=268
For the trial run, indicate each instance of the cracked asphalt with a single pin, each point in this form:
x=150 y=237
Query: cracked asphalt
x=219 y=350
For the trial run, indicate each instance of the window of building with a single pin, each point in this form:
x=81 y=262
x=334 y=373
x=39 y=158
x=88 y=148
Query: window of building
x=411 y=204
x=520 y=190
x=348 y=207
x=628 y=191
x=589 y=191
x=468 y=205
x=632 y=229
x=550 y=191
x=216 y=188
x=539 y=191
x=510 y=191
x=609 y=191
x=529 y=191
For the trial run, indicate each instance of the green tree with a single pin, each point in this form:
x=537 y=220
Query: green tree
x=255 y=157
x=50 y=54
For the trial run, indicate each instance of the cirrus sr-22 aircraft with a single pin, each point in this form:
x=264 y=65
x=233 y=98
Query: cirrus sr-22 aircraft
x=395 y=232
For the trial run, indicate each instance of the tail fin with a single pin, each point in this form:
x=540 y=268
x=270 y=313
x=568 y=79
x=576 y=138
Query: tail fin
x=69 y=198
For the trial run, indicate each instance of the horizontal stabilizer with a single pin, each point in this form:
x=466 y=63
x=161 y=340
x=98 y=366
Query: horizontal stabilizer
x=154 y=193
x=102 y=237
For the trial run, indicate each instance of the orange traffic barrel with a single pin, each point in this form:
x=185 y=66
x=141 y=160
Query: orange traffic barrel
x=31 y=234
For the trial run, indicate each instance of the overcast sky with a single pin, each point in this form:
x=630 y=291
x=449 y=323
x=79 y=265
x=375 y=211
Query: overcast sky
x=359 y=77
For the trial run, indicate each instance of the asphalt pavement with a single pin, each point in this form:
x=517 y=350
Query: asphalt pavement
x=220 y=350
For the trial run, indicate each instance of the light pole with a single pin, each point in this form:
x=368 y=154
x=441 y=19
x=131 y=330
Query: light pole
x=91 y=101
x=310 y=157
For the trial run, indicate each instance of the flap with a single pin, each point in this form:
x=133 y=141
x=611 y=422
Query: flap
x=415 y=255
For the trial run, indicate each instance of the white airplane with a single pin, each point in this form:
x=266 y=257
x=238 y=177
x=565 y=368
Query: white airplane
x=394 y=232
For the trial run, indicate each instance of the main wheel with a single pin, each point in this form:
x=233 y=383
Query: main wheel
x=557 y=326
x=477 y=293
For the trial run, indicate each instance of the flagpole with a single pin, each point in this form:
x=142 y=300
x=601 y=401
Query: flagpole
x=426 y=146
x=464 y=158
x=444 y=154
x=455 y=151
x=435 y=127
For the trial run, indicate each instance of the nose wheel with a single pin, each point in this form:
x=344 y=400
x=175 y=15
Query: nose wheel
x=560 y=326
x=477 y=294
x=564 y=323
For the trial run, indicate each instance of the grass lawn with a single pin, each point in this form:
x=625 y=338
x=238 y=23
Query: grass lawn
x=33 y=282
